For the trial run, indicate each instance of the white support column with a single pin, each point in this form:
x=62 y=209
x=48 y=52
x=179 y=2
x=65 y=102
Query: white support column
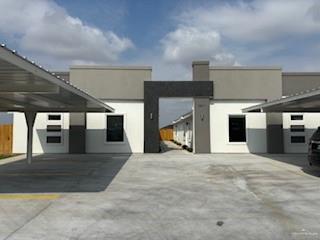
x=30 y=118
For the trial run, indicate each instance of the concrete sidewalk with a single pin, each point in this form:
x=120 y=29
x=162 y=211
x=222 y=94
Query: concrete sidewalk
x=160 y=196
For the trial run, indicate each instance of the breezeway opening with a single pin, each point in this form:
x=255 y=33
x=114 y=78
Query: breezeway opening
x=176 y=124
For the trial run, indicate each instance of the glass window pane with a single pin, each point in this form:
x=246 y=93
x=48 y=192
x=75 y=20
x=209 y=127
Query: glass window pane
x=237 y=129
x=115 y=128
x=54 y=117
x=297 y=128
x=54 y=128
x=297 y=117
x=53 y=139
x=298 y=139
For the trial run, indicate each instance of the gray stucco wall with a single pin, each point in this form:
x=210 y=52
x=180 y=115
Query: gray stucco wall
x=77 y=133
x=201 y=111
x=200 y=71
x=201 y=125
x=275 y=133
x=246 y=83
x=125 y=83
x=296 y=82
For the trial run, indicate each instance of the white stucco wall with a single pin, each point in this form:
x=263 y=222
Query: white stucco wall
x=182 y=132
x=311 y=122
x=40 y=134
x=133 y=112
x=189 y=133
x=219 y=128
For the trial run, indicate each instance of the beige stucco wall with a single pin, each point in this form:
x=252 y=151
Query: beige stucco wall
x=246 y=83
x=296 y=82
x=111 y=82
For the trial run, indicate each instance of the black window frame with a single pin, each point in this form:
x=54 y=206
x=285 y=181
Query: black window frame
x=296 y=139
x=52 y=141
x=54 y=128
x=242 y=138
x=296 y=117
x=297 y=128
x=109 y=135
x=50 y=116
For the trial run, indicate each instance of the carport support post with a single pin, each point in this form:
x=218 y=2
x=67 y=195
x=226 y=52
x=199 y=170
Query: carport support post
x=30 y=118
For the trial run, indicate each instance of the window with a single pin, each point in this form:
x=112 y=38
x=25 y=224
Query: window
x=54 y=117
x=237 y=129
x=298 y=139
x=297 y=117
x=115 y=128
x=53 y=128
x=53 y=139
x=297 y=128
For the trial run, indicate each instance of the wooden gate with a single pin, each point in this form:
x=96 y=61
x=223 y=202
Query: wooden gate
x=6 y=139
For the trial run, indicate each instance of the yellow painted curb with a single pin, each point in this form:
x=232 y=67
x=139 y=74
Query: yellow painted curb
x=29 y=196
x=39 y=174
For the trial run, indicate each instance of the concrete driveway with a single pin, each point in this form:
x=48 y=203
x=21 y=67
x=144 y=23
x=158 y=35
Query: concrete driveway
x=160 y=196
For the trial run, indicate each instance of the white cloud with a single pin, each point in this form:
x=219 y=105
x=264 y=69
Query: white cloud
x=42 y=27
x=186 y=44
x=250 y=32
x=257 y=20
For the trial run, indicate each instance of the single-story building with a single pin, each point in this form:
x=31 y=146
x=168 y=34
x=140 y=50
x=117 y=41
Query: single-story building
x=182 y=130
x=234 y=131
x=129 y=122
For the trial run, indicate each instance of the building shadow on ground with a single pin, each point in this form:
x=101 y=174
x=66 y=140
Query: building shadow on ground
x=299 y=160
x=167 y=146
x=50 y=173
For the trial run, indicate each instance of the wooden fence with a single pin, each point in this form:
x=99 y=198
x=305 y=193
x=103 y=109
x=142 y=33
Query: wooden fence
x=6 y=139
x=166 y=134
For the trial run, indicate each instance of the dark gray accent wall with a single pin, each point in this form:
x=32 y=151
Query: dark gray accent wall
x=201 y=125
x=153 y=90
x=295 y=82
x=274 y=133
x=77 y=133
x=201 y=111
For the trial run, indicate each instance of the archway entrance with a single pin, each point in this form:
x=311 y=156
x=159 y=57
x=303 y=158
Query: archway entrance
x=175 y=121
x=200 y=91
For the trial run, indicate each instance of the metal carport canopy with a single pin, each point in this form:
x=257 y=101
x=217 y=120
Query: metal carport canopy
x=307 y=101
x=27 y=87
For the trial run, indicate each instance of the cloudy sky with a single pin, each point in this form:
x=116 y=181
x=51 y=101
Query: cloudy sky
x=166 y=34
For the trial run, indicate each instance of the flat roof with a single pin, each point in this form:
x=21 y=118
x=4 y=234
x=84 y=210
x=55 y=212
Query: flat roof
x=306 y=101
x=27 y=86
x=108 y=67
x=301 y=73
x=245 y=68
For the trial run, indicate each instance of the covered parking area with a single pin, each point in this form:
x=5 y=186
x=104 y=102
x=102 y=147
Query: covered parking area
x=306 y=101
x=29 y=88
x=302 y=102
